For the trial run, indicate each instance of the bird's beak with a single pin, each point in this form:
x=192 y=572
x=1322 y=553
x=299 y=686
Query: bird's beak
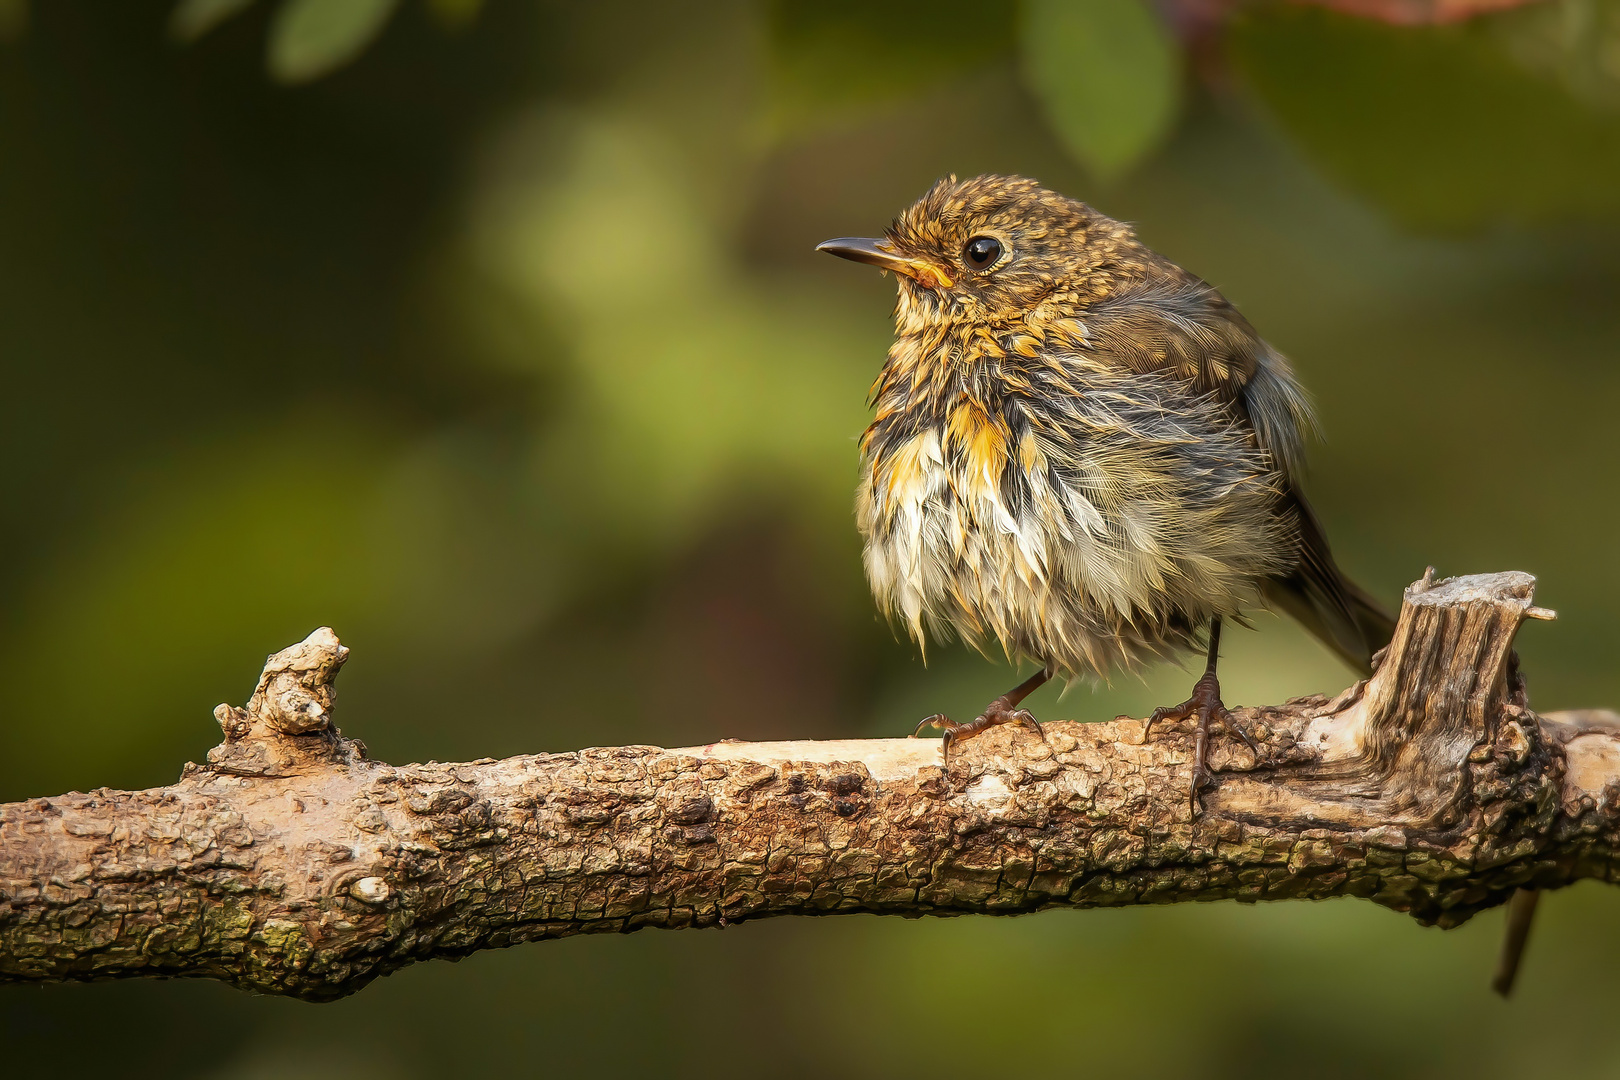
x=878 y=253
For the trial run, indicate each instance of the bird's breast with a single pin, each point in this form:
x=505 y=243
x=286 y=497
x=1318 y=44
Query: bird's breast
x=953 y=507
x=1129 y=503
x=963 y=459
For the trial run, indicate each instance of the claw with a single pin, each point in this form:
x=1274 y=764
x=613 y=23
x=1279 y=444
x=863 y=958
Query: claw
x=1003 y=710
x=1232 y=727
x=1025 y=718
x=1205 y=704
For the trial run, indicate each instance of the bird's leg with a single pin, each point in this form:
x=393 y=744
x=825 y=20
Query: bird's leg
x=1003 y=710
x=1207 y=706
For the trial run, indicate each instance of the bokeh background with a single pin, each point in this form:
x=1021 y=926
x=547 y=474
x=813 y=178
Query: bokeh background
x=492 y=336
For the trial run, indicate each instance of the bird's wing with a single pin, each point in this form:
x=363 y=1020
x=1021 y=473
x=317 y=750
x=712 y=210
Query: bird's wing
x=1181 y=325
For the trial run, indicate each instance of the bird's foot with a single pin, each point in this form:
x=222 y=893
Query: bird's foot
x=1206 y=706
x=999 y=711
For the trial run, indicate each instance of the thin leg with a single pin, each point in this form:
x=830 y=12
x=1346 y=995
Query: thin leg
x=1205 y=703
x=1003 y=710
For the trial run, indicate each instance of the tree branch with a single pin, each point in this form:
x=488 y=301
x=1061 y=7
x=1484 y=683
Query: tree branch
x=292 y=864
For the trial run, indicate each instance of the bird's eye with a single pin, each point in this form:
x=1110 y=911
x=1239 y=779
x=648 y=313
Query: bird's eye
x=982 y=252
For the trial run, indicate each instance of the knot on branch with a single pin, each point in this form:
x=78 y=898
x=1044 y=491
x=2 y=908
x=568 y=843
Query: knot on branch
x=296 y=689
x=287 y=723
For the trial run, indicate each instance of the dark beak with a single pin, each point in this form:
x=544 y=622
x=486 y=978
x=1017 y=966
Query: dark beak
x=878 y=253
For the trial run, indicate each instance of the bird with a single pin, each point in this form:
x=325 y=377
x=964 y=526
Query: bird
x=1083 y=453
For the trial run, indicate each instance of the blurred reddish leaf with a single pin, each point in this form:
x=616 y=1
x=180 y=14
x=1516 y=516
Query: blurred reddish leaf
x=1191 y=18
x=1417 y=12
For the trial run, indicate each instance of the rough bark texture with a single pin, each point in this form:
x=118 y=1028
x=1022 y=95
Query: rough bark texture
x=292 y=864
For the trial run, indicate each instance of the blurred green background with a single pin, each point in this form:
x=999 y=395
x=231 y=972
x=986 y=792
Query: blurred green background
x=491 y=335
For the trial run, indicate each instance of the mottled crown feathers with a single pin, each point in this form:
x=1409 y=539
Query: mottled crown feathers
x=1048 y=243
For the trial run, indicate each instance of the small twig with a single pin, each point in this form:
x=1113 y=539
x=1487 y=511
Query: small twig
x=1521 y=911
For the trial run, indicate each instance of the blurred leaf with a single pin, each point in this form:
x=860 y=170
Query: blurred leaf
x=191 y=19
x=1573 y=42
x=1417 y=12
x=830 y=55
x=13 y=19
x=1106 y=73
x=1439 y=126
x=312 y=38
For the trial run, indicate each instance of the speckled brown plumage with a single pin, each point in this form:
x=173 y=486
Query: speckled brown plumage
x=1081 y=452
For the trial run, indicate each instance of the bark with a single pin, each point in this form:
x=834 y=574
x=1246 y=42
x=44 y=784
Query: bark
x=293 y=864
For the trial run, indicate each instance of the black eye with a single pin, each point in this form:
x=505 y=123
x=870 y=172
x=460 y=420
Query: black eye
x=982 y=252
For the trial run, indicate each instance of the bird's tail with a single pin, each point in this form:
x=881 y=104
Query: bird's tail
x=1341 y=614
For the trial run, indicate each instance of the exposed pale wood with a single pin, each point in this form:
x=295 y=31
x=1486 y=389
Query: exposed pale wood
x=290 y=863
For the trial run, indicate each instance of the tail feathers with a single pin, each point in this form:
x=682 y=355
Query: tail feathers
x=1341 y=614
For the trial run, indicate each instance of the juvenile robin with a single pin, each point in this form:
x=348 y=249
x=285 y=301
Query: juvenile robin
x=1083 y=452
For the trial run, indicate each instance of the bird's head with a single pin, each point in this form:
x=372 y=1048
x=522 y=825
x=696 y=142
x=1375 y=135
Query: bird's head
x=988 y=248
